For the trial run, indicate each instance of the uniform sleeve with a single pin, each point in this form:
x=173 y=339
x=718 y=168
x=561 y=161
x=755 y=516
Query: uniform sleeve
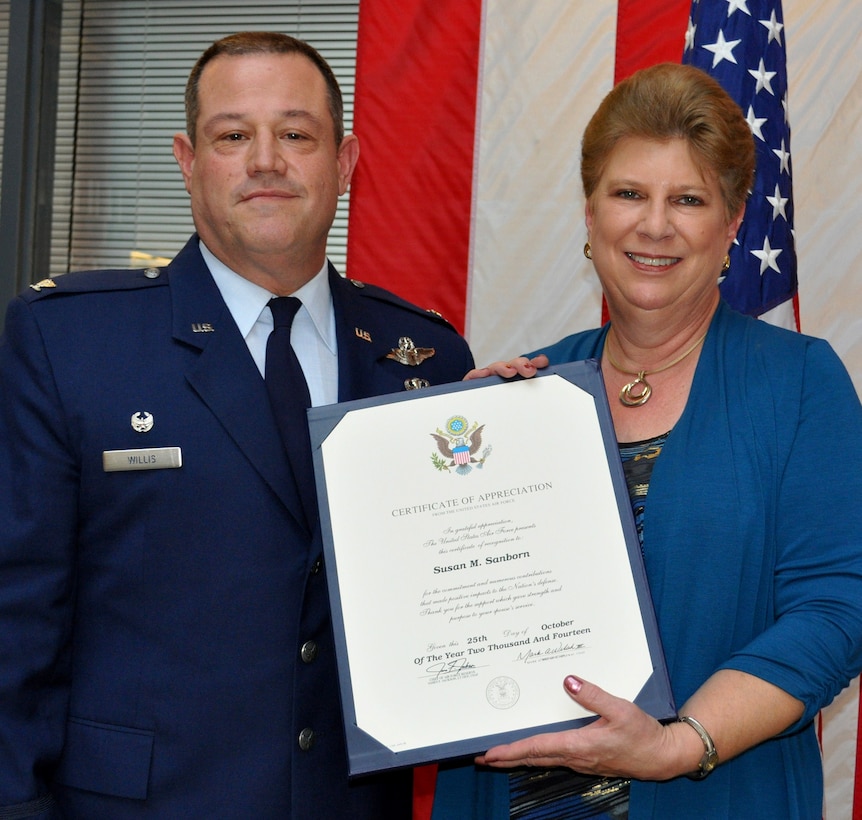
x=814 y=647
x=38 y=490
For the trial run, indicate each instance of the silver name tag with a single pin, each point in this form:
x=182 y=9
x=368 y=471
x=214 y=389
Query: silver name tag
x=154 y=458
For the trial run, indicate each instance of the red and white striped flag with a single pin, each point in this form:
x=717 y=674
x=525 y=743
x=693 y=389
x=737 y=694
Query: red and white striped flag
x=467 y=197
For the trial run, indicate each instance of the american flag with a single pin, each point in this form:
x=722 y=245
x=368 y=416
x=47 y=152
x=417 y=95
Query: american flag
x=490 y=221
x=741 y=43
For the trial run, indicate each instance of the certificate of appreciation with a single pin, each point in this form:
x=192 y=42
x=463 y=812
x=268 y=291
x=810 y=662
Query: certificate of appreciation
x=479 y=547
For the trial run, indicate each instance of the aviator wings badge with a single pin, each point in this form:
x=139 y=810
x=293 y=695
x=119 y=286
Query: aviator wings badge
x=408 y=353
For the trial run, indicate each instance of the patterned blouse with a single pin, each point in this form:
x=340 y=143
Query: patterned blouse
x=561 y=794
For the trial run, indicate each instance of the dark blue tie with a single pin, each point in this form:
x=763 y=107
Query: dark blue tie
x=289 y=397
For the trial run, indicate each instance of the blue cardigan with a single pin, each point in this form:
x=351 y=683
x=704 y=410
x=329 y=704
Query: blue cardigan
x=753 y=546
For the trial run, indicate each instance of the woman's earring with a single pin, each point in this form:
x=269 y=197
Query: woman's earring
x=726 y=264
x=588 y=252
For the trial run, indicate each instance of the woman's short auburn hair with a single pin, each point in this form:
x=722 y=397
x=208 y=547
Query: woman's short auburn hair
x=669 y=101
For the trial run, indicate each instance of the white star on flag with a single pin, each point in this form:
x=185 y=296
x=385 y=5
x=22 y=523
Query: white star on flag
x=778 y=202
x=763 y=78
x=755 y=123
x=783 y=157
x=737 y=5
x=722 y=49
x=767 y=256
x=773 y=27
x=690 y=33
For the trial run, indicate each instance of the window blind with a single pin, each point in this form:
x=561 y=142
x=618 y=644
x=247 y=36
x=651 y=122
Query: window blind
x=119 y=199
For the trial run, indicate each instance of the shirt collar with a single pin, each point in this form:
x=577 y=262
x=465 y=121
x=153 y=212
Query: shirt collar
x=246 y=300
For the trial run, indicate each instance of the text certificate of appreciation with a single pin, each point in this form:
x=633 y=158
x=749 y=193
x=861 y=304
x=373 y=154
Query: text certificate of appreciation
x=480 y=546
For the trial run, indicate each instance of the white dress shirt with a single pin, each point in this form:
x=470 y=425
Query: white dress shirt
x=312 y=334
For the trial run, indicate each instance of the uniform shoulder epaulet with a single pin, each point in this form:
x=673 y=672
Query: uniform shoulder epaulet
x=93 y=281
x=383 y=295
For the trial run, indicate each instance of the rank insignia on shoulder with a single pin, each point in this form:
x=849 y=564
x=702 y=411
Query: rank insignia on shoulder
x=408 y=353
x=45 y=283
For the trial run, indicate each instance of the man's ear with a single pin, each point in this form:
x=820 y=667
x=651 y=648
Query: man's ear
x=348 y=154
x=184 y=153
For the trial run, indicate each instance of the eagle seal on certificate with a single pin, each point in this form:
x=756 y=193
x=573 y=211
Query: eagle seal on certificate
x=502 y=692
x=458 y=445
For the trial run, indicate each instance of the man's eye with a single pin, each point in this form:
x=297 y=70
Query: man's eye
x=627 y=195
x=293 y=135
x=233 y=137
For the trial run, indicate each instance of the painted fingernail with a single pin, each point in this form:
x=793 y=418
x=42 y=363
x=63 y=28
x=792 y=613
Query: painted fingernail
x=572 y=684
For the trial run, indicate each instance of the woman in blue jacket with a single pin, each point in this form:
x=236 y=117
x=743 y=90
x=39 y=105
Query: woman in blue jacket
x=741 y=444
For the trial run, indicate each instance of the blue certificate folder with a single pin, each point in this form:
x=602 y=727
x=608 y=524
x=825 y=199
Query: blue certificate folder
x=455 y=461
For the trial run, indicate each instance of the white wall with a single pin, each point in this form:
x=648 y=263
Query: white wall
x=824 y=41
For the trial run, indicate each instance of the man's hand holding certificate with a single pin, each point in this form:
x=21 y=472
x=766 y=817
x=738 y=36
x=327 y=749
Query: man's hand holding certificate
x=480 y=547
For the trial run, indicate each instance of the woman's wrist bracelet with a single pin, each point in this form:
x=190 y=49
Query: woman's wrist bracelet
x=710 y=756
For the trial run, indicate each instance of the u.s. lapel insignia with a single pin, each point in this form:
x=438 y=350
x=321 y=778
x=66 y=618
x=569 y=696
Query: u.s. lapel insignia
x=362 y=334
x=45 y=283
x=408 y=353
x=202 y=327
x=142 y=421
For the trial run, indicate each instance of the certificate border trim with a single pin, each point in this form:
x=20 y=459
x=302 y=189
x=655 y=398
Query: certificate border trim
x=365 y=753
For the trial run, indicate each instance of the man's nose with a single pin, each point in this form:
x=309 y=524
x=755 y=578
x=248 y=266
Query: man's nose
x=265 y=154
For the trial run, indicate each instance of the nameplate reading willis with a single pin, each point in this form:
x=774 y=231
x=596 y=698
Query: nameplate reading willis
x=479 y=547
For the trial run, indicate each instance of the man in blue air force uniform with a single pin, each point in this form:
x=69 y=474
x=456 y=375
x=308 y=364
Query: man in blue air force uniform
x=165 y=640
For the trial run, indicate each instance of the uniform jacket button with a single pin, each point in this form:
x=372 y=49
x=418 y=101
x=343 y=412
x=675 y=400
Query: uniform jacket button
x=306 y=739
x=315 y=567
x=308 y=652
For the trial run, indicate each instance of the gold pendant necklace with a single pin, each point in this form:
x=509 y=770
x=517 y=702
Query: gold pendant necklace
x=632 y=399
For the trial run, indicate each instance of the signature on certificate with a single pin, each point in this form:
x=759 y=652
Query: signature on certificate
x=455 y=668
x=550 y=652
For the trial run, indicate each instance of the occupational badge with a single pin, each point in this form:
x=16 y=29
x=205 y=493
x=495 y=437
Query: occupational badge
x=142 y=421
x=408 y=353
